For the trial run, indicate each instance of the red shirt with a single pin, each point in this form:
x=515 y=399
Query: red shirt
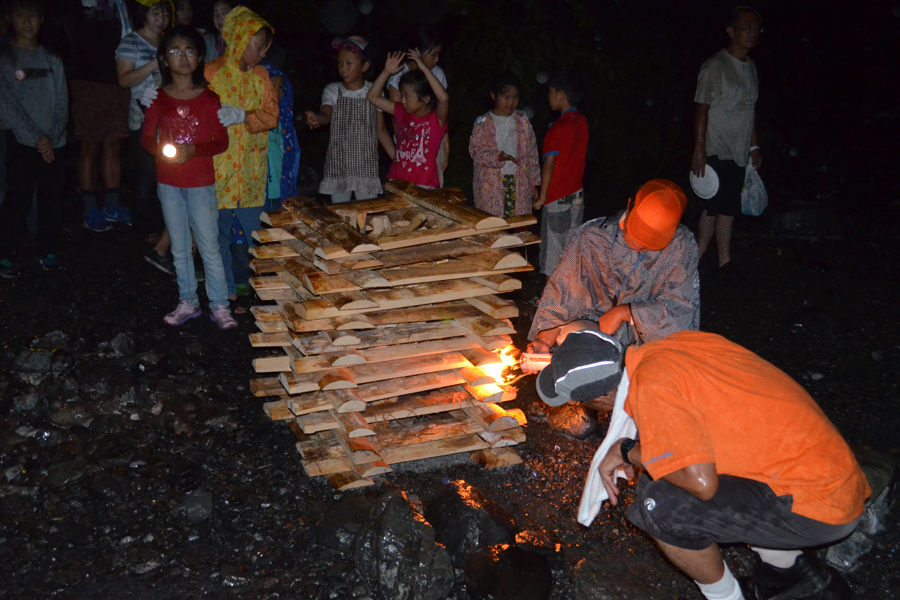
x=567 y=138
x=418 y=142
x=193 y=121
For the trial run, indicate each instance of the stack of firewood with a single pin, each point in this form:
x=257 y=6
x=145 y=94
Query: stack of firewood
x=389 y=329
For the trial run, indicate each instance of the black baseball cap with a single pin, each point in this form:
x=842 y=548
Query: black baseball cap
x=587 y=365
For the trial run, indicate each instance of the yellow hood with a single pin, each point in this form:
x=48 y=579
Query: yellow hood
x=240 y=25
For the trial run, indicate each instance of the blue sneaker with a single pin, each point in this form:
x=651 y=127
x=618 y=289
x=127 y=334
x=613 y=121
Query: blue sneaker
x=51 y=262
x=95 y=220
x=121 y=215
x=9 y=270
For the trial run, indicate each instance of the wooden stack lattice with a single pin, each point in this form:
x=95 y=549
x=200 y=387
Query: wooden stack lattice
x=386 y=313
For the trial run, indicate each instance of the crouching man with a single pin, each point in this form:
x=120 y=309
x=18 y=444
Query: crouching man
x=734 y=451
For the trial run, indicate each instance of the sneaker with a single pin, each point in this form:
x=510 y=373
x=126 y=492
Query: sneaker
x=95 y=220
x=185 y=311
x=120 y=215
x=805 y=579
x=163 y=263
x=51 y=262
x=10 y=270
x=222 y=318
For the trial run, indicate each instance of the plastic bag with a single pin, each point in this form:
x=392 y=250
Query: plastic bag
x=754 y=198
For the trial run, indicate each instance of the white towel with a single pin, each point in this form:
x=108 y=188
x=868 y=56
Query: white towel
x=620 y=425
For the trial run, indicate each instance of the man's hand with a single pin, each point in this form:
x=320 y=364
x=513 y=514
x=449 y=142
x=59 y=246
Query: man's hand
x=698 y=163
x=608 y=467
x=756 y=158
x=614 y=318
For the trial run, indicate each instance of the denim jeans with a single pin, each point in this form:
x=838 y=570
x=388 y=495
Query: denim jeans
x=197 y=210
x=249 y=219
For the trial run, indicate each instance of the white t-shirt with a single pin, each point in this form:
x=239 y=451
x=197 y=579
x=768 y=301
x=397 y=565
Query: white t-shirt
x=437 y=71
x=506 y=140
x=330 y=94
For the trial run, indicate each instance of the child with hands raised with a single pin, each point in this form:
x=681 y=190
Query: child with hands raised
x=421 y=116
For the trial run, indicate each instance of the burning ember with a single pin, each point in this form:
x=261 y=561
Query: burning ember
x=507 y=360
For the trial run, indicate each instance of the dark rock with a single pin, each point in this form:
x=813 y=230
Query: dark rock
x=122 y=344
x=33 y=366
x=803 y=220
x=105 y=486
x=69 y=415
x=341 y=522
x=26 y=402
x=540 y=542
x=197 y=506
x=599 y=578
x=505 y=572
x=184 y=476
x=464 y=519
x=63 y=474
x=104 y=382
x=396 y=553
x=107 y=423
x=572 y=419
x=233 y=576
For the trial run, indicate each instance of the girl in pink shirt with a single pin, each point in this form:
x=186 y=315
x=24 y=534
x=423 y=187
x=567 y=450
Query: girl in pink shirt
x=421 y=119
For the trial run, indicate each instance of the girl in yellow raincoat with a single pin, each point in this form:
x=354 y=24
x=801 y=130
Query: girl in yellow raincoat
x=249 y=111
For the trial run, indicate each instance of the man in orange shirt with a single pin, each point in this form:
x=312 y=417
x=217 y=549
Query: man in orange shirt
x=734 y=451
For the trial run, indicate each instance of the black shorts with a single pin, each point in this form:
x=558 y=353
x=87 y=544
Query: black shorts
x=742 y=511
x=727 y=201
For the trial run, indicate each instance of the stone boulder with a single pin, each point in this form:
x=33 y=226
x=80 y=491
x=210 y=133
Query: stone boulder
x=504 y=572
x=573 y=420
x=395 y=551
x=464 y=519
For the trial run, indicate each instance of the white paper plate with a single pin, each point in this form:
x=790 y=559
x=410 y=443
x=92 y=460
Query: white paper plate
x=707 y=186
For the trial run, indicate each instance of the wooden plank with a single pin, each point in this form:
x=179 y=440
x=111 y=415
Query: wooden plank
x=352 y=424
x=268 y=313
x=342 y=338
x=268 y=235
x=491 y=417
x=278 y=410
x=443 y=271
x=379 y=390
x=491 y=393
x=330 y=360
x=352 y=300
x=499 y=282
x=348 y=480
x=268 y=283
x=351 y=322
x=492 y=458
x=485 y=325
x=277 y=218
x=271 y=251
x=270 y=340
x=493 y=342
x=325 y=362
x=344 y=401
x=385 y=336
x=432 y=200
x=495 y=306
x=505 y=239
x=400 y=297
x=340 y=265
x=481 y=357
x=376 y=205
x=475 y=376
x=266 y=265
x=366 y=278
x=496 y=260
x=272 y=326
x=279 y=294
x=330 y=226
x=359 y=450
x=266 y=386
x=295 y=383
x=522 y=221
x=428 y=252
x=503 y=439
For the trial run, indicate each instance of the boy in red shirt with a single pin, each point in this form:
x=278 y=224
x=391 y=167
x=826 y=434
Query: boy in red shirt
x=562 y=192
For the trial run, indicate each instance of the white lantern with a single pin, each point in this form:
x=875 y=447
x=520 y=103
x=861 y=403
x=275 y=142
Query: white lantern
x=169 y=150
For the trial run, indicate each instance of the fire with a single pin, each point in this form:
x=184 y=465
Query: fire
x=507 y=360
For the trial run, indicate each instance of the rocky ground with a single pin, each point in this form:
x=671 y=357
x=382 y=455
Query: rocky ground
x=134 y=462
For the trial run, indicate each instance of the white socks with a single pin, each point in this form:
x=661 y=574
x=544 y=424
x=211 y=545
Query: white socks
x=726 y=588
x=783 y=559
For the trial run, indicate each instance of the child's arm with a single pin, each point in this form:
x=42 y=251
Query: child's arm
x=151 y=124
x=483 y=145
x=265 y=118
x=530 y=161
x=440 y=94
x=61 y=105
x=546 y=175
x=393 y=65
x=314 y=120
x=14 y=117
x=385 y=138
x=129 y=76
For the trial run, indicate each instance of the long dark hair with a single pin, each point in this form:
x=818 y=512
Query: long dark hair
x=185 y=33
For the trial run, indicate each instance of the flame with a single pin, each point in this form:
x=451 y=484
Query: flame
x=507 y=360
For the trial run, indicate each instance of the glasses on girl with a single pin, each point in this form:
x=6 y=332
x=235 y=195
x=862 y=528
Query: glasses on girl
x=189 y=52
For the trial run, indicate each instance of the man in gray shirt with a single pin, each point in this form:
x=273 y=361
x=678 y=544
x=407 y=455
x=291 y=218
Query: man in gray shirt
x=725 y=129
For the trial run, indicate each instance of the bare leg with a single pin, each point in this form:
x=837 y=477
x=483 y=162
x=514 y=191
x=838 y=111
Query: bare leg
x=724 y=226
x=87 y=166
x=707 y=228
x=111 y=164
x=703 y=566
x=164 y=244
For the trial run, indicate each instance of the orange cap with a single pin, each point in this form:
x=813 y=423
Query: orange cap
x=655 y=214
